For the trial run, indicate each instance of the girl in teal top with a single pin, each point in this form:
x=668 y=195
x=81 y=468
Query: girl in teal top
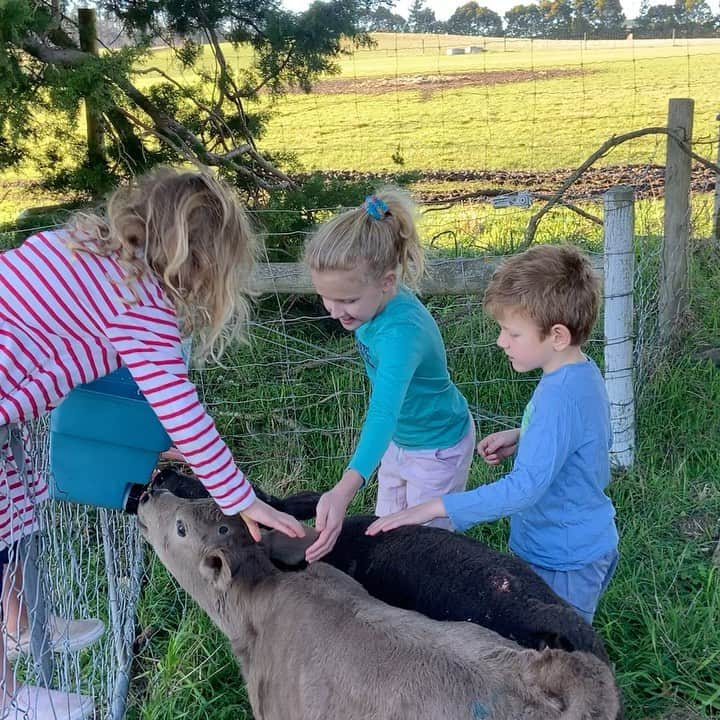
x=417 y=427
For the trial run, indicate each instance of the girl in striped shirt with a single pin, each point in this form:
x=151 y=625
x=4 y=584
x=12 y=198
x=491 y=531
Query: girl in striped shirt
x=170 y=256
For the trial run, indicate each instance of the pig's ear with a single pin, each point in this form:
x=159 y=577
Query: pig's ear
x=288 y=552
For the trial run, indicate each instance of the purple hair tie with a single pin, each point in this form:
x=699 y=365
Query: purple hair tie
x=375 y=207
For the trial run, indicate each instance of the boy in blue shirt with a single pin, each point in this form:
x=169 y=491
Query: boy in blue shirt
x=561 y=521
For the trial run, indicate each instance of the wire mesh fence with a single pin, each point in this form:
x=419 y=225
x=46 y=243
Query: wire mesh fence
x=522 y=105
x=89 y=564
x=290 y=404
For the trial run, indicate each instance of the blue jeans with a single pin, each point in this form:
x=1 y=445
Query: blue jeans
x=582 y=588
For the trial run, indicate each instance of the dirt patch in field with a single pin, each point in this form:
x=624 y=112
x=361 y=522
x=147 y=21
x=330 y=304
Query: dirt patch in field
x=429 y=83
x=483 y=185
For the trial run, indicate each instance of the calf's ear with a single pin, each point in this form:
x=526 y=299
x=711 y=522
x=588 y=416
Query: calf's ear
x=219 y=566
x=287 y=552
x=571 y=684
x=302 y=505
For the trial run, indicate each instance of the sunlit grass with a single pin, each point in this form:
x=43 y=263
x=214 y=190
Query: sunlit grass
x=532 y=124
x=537 y=124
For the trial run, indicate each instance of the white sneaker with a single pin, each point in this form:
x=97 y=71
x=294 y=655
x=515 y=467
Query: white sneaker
x=65 y=636
x=38 y=703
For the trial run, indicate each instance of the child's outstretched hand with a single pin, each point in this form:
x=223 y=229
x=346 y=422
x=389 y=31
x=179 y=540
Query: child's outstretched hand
x=329 y=517
x=416 y=515
x=496 y=447
x=261 y=513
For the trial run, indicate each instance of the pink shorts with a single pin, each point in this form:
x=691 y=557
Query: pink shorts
x=409 y=477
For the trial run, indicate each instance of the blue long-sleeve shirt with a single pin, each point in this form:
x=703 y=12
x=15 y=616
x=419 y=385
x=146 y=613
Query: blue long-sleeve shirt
x=560 y=516
x=413 y=401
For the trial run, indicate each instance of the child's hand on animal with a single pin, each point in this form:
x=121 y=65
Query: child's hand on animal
x=496 y=447
x=416 y=515
x=260 y=512
x=330 y=514
x=173 y=455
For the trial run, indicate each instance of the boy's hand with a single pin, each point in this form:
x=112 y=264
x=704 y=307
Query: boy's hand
x=260 y=512
x=416 y=515
x=496 y=447
x=330 y=514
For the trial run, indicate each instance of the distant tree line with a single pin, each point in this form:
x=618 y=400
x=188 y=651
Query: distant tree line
x=550 y=19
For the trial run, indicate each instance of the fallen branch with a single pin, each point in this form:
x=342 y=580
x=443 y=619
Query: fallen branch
x=600 y=152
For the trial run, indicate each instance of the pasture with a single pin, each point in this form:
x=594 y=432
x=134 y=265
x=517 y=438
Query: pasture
x=291 y=402
x=520 y=105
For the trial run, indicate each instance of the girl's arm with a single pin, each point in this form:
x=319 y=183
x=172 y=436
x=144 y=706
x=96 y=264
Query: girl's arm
x=398 y=355
x=330 y=514
x=148 y=341
x=398 y=358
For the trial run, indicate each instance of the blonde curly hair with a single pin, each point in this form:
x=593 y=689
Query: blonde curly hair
x=189 y=229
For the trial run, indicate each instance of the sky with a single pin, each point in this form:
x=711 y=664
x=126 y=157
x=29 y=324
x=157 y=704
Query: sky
x=444 y=8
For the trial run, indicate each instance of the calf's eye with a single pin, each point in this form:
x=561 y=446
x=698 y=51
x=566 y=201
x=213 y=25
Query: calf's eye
x=223 y=529
x=180 y=526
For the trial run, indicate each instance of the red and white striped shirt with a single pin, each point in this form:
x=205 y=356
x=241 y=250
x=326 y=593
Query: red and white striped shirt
x=68 y=317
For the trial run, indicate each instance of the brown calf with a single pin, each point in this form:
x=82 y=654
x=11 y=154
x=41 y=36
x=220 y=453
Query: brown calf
x=314 y=644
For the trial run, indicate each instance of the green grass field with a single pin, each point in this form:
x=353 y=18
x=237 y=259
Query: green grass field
x=533 y=124
x=407 y=100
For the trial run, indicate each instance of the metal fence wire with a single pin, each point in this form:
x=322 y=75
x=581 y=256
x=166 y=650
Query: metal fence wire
x=295 y=405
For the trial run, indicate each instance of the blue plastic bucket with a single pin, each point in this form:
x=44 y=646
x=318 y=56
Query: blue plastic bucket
x=104 y=438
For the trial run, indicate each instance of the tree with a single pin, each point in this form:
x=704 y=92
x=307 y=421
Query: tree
x=45 y=74
x=489 y=22
x=695 y=17
x=557 y=18
x=472 y=19
x=658 y=21
x=368 y=11
x=586 y=18
x=421 y=19
x=384 y=20
x=525 y=21
x=610 y=19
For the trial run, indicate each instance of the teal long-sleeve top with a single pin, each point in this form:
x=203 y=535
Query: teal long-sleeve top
x=560 y=515
x=413 y=402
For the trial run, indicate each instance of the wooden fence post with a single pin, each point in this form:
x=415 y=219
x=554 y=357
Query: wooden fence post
x=87 y=27
x=619 y=257
x=674 y=262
